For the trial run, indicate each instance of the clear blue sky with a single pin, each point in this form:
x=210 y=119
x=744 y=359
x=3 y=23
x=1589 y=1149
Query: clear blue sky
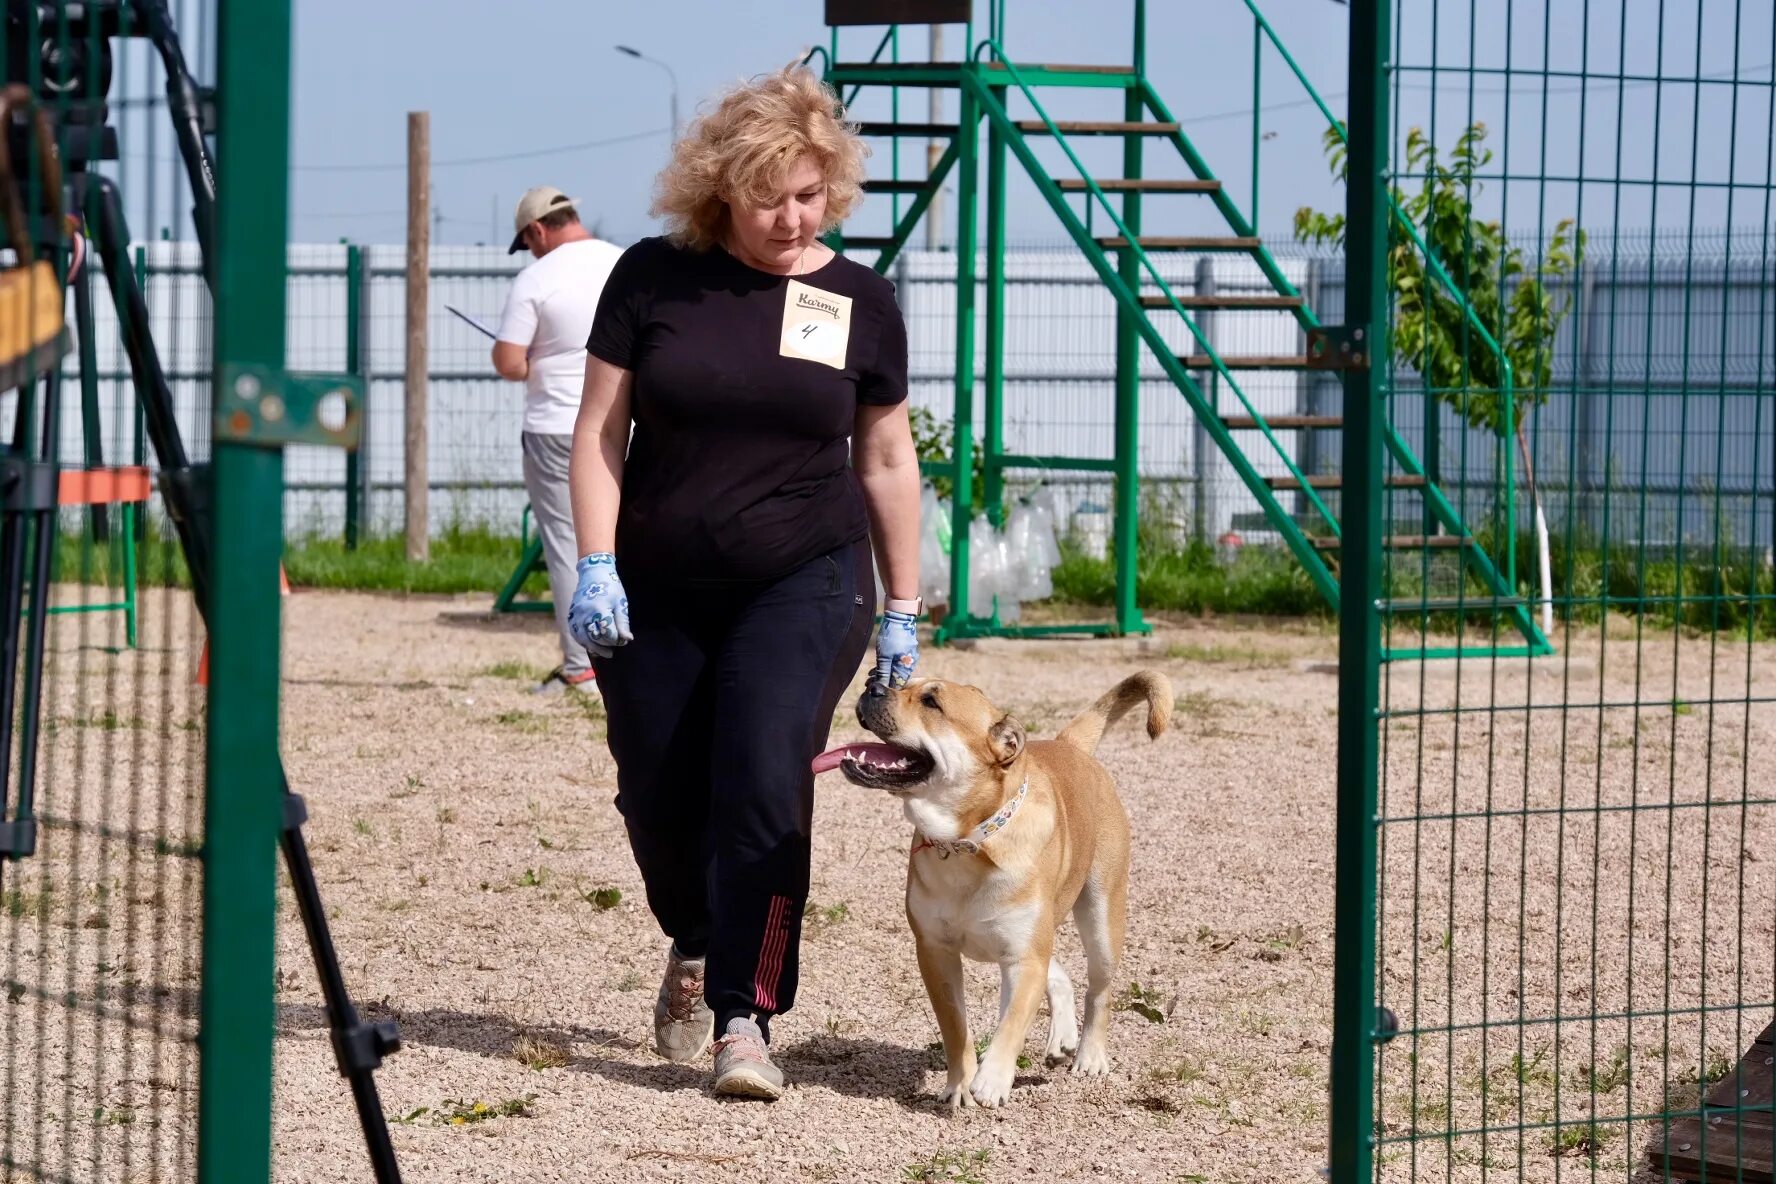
x=535 y=76
x=523 y=92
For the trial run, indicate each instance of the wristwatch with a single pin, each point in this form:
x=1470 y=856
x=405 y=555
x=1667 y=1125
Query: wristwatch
x=911 y=608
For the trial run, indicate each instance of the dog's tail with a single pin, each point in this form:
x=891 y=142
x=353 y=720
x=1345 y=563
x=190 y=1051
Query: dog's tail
x=1149 y=686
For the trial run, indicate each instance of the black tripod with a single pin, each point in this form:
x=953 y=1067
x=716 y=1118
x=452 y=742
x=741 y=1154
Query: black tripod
x=358 y=1046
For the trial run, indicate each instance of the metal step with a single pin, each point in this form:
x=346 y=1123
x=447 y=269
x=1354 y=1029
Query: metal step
x=1095 y=127
x=1277 y=423
x=923 y=130
x=1336 y=481
x=1223 y=302
x=875 y=186
x=1141 y=185
x=1406 y=542
x=1245 y=362
x=1054 y=68
x=1185 y=242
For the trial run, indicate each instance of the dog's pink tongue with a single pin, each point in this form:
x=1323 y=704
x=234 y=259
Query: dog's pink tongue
x=832 y=758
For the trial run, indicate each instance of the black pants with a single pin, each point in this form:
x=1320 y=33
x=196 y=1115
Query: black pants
x=717 y=709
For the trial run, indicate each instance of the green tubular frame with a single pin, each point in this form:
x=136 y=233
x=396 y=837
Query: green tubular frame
x=984 y=82
x=530 y=559
x=127 y=519
x=243 y=788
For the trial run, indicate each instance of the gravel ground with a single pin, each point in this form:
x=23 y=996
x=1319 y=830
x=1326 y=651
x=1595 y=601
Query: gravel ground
x=469 y=855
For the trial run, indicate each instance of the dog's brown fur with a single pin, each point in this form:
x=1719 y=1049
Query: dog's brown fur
x=1065 y=849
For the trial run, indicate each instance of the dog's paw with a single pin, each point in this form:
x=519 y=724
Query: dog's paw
x=955 y=1094
x=1063 y=1039
x=1092 y=1060
x=992 y=1086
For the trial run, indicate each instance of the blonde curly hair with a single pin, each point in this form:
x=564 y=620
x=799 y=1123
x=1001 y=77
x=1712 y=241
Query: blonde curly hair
x=743 y=149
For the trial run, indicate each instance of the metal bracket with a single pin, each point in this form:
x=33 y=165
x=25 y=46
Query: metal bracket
x=18 y=838
x=1337 y=347
x=27 y=484
x=259 y=405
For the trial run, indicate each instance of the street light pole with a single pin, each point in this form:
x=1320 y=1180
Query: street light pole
x=639 y=56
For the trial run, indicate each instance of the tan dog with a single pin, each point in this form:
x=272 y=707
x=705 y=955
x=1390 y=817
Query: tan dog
x=1011 y=834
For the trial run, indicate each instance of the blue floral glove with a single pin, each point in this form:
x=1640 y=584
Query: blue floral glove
x=897 y=650
x=599 y=615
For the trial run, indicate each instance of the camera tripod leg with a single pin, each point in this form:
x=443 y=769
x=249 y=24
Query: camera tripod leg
x=358 y=1046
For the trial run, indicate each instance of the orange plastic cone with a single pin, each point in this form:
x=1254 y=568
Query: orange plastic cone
x=203 y=658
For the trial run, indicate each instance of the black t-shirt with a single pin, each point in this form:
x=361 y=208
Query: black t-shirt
x=745 y=396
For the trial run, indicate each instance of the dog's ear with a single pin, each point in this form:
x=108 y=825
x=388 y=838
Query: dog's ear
x=1006 y=739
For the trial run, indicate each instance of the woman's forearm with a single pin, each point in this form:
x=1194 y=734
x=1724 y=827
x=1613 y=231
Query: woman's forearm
x=595 y=469
x=891 y=493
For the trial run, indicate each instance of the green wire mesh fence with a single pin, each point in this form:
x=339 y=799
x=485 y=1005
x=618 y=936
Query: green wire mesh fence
x=1572 y=899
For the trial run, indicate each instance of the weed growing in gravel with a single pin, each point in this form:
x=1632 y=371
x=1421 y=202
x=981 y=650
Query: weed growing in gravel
x=949 y=1167
x=1586 y=1140
x=460 y=1112
x=533 y=877
x=538 y=1052
x=361 y=827
x=1610 y=1077
x=1717 y=1067
x=26 y=904
x=1249 y=657
x=601 y=898
x=446 y=814
x=1143 y=1001
x=630 y=981
x=1187 y=1070
x=511 y=668
x=523 y=721
x=410 y=787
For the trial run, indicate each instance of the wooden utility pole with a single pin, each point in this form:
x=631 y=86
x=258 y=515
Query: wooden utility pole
x=419 y=243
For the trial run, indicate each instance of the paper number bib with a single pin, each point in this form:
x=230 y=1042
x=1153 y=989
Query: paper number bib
x=816 y=325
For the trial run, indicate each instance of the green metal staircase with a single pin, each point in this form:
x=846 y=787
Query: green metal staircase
x=1124 y=261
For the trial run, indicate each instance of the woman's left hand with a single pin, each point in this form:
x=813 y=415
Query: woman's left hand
x=897 y=650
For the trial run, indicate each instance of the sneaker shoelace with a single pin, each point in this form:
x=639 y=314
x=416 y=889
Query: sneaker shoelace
x=746 y=1046
x=682 y=997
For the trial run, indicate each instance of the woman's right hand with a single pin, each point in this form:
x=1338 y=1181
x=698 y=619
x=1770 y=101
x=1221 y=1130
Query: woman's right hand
x=599 y=615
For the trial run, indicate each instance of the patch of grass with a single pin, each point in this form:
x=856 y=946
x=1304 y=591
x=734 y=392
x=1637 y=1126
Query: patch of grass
x=538 y=1052
x=408 y=788
x=18 y=903
x=116 y=1116
x=458 y=1112
x=602 y=898
x=1679 y=707
x=533 y=877
x=1609 y=1077
x=361 y=827
x=1245 y=656
x=828 y=915
x=523 y=721
x=1184 y=1072
x=630 y=981
x=1717 y=1066
x=1533 y=1071
x=1586 y=1139
x=949 y=1167
x=513 y=669
x=463 y=559
x=1192 y=579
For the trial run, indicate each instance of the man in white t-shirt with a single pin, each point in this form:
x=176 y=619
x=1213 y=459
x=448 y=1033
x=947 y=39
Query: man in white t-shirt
x=542 y=343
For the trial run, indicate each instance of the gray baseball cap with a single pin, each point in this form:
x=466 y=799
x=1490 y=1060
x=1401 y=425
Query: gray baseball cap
x=536 y=203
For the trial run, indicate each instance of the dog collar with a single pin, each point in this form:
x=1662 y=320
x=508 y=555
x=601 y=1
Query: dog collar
x=978 y=837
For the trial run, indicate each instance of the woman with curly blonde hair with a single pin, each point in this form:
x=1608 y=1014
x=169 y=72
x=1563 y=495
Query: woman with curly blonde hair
x=765 y=379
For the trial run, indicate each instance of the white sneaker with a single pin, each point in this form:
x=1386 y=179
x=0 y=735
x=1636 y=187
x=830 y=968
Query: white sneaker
x=683 y=1022
x=743 y=1067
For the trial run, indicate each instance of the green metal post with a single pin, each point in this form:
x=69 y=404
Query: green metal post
x=962 y=450
x=243 y=790
x=1126 y=520
x=1257 y=108
x=354 y=316
x=994 y=476
x=128 y=511
x=1353 y=974
x=140 y=454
